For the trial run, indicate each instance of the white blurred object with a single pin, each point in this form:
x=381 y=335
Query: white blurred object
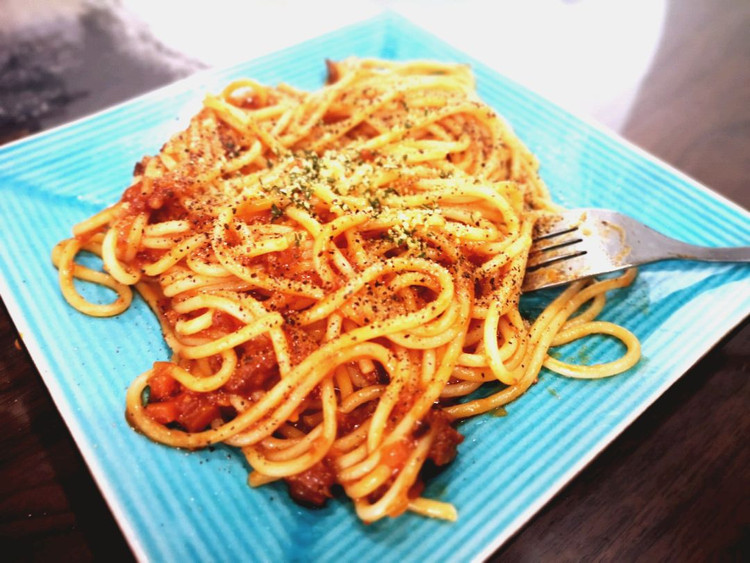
x=227 y=31
x=588 y=55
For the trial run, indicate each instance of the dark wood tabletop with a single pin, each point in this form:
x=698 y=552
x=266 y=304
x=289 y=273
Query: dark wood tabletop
x=674 y=486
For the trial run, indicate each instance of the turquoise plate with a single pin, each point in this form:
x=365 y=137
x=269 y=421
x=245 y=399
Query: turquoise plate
x=174 y=505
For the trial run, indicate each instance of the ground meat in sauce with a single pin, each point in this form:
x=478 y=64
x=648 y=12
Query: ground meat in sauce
x=256 y=367
x=140 y=200
x=312 y=487
x=447 y=438
x=346 y=422
x=378 y=493
x=333 y=71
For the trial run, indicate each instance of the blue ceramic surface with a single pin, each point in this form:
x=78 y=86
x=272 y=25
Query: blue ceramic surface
x=174 y=505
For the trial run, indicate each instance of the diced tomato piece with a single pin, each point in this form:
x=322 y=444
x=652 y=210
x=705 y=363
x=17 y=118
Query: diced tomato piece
x=447 y=438
x=162 y=384
x=196 y=412
x=163 y=413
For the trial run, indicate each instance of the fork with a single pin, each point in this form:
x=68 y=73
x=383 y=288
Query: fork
x=580 y=243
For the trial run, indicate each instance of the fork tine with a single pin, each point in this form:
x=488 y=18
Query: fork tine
x=560 y=244
x=579 y=243
x=559 y=231
x=547 y=259
x=554 y=239
x=553 y=225
x=540 y=246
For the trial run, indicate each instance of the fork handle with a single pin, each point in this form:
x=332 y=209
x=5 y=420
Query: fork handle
x=707 y=254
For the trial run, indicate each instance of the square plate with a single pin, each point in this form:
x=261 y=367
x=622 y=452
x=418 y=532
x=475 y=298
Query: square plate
x=177 y=505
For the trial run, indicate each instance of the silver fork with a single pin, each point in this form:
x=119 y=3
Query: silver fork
x=579 y=243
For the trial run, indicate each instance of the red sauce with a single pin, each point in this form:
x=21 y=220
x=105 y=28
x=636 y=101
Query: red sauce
x=301 y=344
x=224 y=322
x=281 y=263
x=396 y=454
x=232 y=237
x=141 y=199
x=285 y=265
x=147 y=256
x=367 y=155
x=332 y=117
x=136 y=196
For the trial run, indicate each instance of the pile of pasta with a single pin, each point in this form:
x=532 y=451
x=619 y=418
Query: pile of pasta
x=336 y=272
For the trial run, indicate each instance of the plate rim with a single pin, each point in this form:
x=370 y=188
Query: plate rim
x=387 y=19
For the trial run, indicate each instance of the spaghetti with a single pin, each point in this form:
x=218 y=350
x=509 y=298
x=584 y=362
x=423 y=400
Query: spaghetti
x=336 y=272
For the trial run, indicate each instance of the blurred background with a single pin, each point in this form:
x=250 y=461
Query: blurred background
x=672 y=76
x=71 y=57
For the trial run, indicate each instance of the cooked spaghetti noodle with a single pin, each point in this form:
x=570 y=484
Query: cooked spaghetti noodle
x=336 y=272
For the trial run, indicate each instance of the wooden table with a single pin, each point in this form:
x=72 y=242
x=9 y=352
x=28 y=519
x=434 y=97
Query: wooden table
x=673 y=486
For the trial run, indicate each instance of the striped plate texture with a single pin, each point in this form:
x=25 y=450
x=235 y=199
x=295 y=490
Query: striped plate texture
x=174 y=505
